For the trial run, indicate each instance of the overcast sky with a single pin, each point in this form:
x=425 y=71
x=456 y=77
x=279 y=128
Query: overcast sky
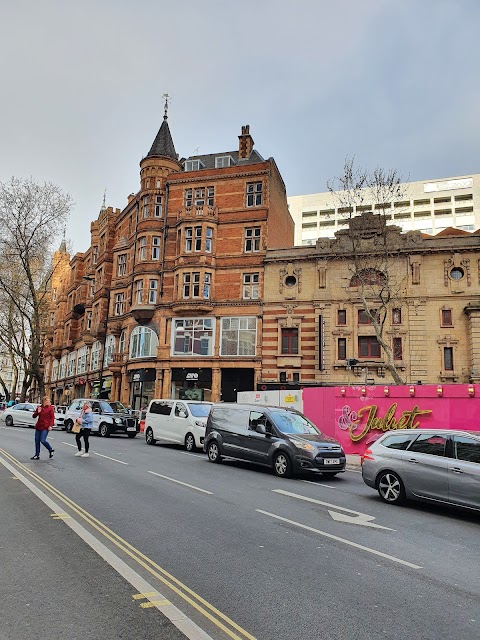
x=393 y=82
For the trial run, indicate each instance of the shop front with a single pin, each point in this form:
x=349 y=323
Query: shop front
x=142 y=388
x=192 y=384
x=101 y=389
x=68 y=394
x=79 y=388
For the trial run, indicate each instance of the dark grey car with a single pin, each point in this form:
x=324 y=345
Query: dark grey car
x=425 y=464
x=276 y=437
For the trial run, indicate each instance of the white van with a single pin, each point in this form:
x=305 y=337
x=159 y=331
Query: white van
x=178 y=421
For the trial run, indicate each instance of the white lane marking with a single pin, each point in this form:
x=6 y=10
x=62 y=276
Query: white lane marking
x=179 y=482
x=97 y=454
x=177 y=617
x=108 y=458
x=195 y=455
x=315 y=501
x=361 y=518
x=349 y=542
x=319 y=484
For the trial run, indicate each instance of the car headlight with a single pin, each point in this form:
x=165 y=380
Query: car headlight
x=199 y=424
x=305 y=446
x=117 y=420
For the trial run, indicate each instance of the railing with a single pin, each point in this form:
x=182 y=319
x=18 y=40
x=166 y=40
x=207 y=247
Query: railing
x=198 y=211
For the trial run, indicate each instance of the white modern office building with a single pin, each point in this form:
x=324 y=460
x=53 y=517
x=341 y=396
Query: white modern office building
x=429 y=206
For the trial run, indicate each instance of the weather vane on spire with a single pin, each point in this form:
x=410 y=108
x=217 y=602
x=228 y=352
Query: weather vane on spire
x=166 y=96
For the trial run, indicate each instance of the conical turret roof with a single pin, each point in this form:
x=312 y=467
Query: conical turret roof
x=163 y=143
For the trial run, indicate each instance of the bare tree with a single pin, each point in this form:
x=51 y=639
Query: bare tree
x=32 y=217
x=374 y=262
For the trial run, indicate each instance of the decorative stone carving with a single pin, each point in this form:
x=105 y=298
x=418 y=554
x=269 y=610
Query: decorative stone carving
x=447 y=265
x=465 y=264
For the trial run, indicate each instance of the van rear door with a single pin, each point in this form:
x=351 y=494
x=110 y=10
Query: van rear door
x=159 y=418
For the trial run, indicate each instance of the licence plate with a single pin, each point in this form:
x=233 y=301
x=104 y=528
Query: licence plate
x=331 y=461
x=131 y=428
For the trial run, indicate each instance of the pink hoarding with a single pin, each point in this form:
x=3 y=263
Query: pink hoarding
x=357 y=416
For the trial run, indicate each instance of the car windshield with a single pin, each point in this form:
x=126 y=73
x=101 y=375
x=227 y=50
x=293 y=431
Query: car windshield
x=113 y=407
x=289 y=422
x=200 y=410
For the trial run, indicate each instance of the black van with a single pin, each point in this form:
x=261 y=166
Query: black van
x=277 y=437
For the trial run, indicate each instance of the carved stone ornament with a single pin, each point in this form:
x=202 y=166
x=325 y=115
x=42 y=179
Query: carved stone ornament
x=447 y=265
x=465 y=264
x=282 y=274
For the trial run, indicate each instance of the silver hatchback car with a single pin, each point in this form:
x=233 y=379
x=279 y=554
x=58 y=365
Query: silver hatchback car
x=425 y=464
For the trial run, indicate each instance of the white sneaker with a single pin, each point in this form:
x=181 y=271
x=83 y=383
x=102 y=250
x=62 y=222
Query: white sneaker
x=85 y=455
x=79 y=453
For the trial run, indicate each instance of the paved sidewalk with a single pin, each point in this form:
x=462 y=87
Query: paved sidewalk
x=354 y=462
x=53 y=585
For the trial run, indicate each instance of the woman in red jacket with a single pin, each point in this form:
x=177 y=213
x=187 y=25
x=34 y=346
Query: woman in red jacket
x=45 y=422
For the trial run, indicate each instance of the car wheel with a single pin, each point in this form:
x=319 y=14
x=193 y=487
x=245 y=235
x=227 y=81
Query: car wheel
x=390 y=488
x=68 y=424
x=104 y=430
x=213 y=452
x=9 y=421
x=190 y=442
x=149 y=439
x=131 y=435
x=282 y=465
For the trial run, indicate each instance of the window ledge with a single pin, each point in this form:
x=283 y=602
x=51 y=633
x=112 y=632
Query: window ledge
x=285 y=360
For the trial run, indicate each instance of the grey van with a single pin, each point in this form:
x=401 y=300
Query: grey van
x=277 y=437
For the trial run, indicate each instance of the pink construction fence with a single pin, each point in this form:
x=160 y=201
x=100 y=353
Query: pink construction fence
x=357 y=416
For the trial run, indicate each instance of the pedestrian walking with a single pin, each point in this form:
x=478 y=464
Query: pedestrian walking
x=46 y=420
x=85 y=420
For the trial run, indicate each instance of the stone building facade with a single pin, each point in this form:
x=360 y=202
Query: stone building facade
x=167 y=300
x=314 y=320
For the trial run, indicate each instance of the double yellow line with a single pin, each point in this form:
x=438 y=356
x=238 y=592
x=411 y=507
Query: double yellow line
x=219 y=619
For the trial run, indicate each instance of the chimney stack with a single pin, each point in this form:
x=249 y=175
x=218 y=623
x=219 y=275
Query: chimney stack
x=245 y=143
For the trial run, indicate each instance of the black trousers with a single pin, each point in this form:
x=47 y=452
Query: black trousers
x=85 y=433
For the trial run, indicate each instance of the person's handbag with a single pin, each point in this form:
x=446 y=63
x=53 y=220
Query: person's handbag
x=77 y=425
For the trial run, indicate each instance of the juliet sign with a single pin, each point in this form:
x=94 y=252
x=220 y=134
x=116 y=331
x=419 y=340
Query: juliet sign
x=366 y=420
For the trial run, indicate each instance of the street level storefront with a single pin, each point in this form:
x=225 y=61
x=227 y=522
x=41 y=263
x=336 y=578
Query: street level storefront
x=101 y=389
x=192 y=383
x=142 y=387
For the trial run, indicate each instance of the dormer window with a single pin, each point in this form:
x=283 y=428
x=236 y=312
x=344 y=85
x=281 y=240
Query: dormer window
x=193 y=165
x=223 y=161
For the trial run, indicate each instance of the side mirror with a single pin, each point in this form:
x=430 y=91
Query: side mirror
x=261 y=429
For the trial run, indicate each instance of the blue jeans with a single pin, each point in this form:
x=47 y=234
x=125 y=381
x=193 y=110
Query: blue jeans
x=41 y=437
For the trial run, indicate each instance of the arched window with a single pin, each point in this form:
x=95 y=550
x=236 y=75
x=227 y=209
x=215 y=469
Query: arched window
x=368 y=277
x=122 y=341
x=143 y=343
x=95 y=357
x=109 y=349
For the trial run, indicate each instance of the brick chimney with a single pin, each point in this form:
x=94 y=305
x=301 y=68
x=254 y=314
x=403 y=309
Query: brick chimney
x=245 y=143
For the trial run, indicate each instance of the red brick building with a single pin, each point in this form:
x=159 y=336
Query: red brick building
x=167 y=300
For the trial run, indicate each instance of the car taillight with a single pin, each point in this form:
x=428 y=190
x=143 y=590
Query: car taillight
x=368 y=455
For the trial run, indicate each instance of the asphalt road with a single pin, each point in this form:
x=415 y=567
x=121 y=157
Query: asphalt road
x=241 y=553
